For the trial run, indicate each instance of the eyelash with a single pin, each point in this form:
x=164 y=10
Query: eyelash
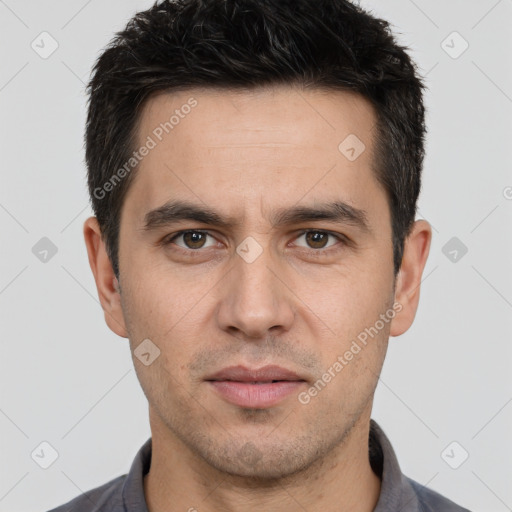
x=317 y=252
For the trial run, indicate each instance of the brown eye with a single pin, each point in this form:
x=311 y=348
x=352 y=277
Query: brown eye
x=194 y=240
x=315 y=239
x=191 y=239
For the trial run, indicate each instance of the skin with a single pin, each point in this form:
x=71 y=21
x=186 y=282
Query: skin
x=299 y=304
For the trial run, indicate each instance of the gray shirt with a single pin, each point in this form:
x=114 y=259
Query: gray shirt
x=398 y=492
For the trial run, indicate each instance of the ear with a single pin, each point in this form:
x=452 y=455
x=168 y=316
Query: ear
x=106 y=281
x=408 y=280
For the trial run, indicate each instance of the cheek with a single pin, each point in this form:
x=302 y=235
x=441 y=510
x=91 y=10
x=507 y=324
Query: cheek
x=353 y=347
x=170 y=311
x=344 y=301
x=160 y=297
x=152 y=314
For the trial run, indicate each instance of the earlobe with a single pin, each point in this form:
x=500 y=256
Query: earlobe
x=106 y=281
x=407 y=288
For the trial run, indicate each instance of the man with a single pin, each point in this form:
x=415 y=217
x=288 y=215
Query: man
x=254 y=167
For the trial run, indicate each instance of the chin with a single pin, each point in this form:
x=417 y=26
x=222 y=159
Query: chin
x=260 y=464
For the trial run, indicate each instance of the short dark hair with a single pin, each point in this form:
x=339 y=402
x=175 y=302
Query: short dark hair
x=242 y=44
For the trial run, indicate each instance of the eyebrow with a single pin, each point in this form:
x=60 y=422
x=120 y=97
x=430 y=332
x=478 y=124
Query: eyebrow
x=179 y=210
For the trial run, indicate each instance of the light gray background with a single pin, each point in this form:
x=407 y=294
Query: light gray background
x=67 y=380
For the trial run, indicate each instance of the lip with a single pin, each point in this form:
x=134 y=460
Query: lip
x=264 y=374
x=257 y=388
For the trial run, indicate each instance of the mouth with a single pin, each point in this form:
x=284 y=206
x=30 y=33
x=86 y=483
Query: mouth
x=255 y=389
x=253 y=382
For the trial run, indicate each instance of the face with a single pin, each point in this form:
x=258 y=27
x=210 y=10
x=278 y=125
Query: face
x=249 y=237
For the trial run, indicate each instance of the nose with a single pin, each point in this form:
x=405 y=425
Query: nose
x=255 y=300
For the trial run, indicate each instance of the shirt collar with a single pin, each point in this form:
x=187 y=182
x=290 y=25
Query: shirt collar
x=396 y=493
x=133 y=488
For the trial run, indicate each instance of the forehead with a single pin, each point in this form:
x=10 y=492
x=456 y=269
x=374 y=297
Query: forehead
x=236 y=149
x=262 y=115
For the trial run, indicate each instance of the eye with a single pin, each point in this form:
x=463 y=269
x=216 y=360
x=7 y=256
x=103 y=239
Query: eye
x=192 y=239
x=315 y=239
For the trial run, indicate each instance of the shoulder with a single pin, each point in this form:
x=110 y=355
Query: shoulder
x=106 y=497
x=432 y=501
x=119 y=494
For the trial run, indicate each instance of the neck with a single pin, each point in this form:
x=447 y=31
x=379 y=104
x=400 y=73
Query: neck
x=180 y=480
